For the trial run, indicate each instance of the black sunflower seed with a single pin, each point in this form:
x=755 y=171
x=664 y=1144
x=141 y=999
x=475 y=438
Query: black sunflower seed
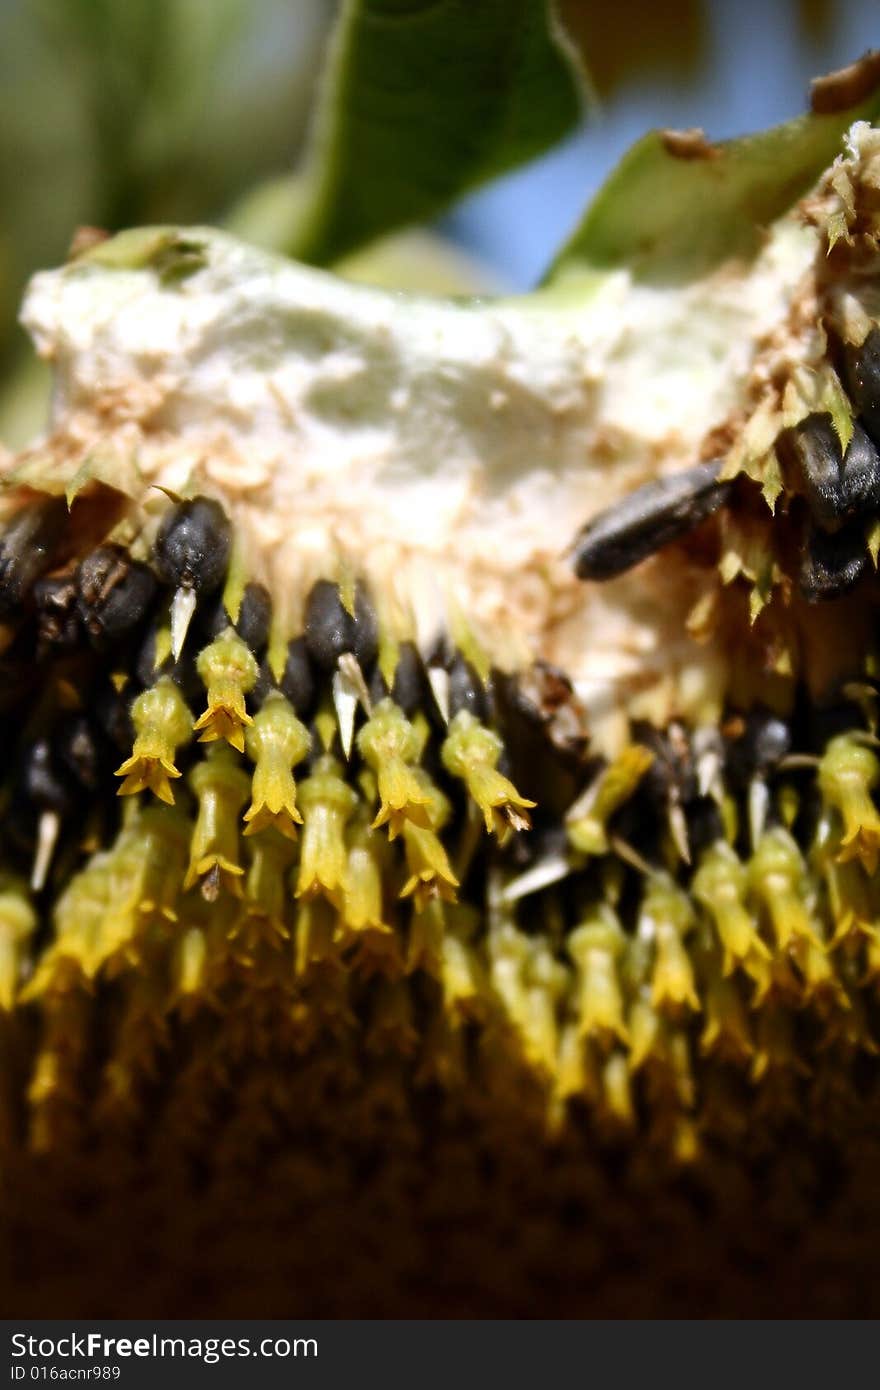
x=192 y=547
x=330 y=630
x=409 y=687
x=466 y=690
x=26 y=548
x=705 y=824
x=672 y=776
x=183 y=670
x=111 y=709
x=255 y=617
x=832 y=562
x=115 y=592
x=837 y=485
x=298 y=679
x=863 y=381
x=648 y=519
x=764 y=741
x=41 y=782
x=252 y=624
x=57 y=617
x=82 y=751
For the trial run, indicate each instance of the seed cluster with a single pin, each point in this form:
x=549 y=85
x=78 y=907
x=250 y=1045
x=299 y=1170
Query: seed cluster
x=701 y=898
x=832 y=496
x=242 y=878
x=830 y=476
x=842 y=492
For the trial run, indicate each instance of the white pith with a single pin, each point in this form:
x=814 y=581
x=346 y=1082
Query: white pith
x=448 y=451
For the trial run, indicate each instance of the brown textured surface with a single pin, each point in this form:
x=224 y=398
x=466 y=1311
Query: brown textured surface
x=443 y=1220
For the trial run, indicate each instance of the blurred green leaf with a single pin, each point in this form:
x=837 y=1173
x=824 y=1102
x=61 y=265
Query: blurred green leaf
x=414 y=258
x=422 y=100
x=187 y=100
x=676 y=206
x=115 y=112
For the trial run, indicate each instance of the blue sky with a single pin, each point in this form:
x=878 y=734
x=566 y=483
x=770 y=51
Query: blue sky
x=757 y=73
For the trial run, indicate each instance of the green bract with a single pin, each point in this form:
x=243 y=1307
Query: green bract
x=421 y=101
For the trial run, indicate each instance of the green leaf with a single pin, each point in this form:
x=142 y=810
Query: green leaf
x=422 y=100
x=415 y=258
x=677 y=205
